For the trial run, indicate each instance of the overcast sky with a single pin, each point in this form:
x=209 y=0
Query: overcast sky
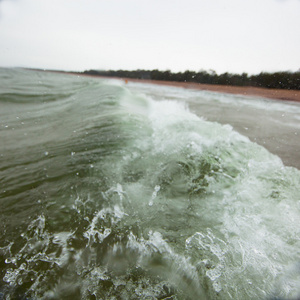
x=224 y=35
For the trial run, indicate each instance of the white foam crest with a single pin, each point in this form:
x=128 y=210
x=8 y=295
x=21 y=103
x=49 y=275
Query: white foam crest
x=176 y=128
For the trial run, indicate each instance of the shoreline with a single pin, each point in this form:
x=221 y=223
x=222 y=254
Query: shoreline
x=277 y=94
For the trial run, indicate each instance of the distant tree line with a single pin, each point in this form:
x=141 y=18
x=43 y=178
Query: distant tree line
x=277 y=80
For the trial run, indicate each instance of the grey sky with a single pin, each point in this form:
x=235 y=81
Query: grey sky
x=231 y=35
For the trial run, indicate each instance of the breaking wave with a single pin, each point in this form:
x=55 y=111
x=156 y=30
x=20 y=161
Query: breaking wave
x=110 y=193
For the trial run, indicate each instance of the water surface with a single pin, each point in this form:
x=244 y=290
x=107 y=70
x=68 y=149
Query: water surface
x=115 y=191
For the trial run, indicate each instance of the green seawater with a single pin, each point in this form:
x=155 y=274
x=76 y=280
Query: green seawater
x=118 y=191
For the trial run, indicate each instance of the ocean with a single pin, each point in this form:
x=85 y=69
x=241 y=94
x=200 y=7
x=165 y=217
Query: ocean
x=111 y=190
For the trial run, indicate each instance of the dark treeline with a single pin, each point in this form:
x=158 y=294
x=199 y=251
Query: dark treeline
x=277 y=80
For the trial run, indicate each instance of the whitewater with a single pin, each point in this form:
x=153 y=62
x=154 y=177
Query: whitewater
x=111 y=190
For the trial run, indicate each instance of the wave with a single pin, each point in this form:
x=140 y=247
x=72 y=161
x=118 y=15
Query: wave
x=115 y=192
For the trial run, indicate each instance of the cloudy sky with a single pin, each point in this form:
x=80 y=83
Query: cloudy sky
x=224 y=35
